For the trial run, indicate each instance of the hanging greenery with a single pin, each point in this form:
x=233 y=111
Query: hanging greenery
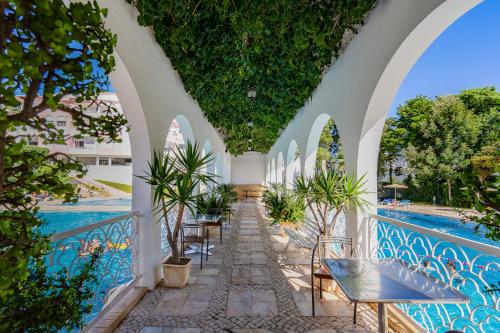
x=251 y=64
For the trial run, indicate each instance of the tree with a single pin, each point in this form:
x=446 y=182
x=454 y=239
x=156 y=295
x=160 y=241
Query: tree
x=482 y=181
x=446 y=138
x=48 y=50
x=438 y=140
x=174 y=179
x=329 y=147
x=331 y=191
x=390 y=148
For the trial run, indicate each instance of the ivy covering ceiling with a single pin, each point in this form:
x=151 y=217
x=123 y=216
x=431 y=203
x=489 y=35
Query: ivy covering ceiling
x=226 y=50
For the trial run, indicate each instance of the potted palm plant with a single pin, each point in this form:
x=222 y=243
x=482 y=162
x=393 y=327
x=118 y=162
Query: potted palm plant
x=283 y=206
x=175 y=178
x=328 y=192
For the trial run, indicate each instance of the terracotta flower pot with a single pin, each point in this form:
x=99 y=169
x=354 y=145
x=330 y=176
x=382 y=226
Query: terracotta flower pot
x=176 y=275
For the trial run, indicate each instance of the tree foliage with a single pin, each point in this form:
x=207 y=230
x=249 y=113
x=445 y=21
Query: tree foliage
x=283 y=205
x=331 y=191
x=224 y=49
x=48 y=50
x=450 y=147
x=175 y=179
x=329 y=147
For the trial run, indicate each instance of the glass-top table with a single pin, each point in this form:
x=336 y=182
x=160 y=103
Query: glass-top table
x=206 y=220
x=385 y=281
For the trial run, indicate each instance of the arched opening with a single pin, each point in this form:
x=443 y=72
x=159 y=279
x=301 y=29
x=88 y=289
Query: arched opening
x=218 y=169
x=293 y=165
x=268 y=173
x=312 y=144
x=280 y=169
x=209 y=169
x=175 y=136
x=330 y=153
x=430 y=139
x=324 y=148
x=273 y=171
x=227 y=170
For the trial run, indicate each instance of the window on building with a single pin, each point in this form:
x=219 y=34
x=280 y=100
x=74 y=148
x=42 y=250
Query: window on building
x=61 y=123
x=104 y=161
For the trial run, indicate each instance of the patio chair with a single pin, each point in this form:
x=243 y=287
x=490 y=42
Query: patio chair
x=405 y=203
x=195 y=233
x=387 y=201
x=216 y=211
x=318 y=271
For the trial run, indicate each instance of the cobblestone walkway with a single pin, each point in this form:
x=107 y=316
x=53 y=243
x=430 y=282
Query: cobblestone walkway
x=243 y=288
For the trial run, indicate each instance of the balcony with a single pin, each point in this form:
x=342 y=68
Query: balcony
x=252 y=280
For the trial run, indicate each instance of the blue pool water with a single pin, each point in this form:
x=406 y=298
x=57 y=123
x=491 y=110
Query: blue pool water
x=64 y=221
x=443 y=224
x=472 y=275
x=107 y=202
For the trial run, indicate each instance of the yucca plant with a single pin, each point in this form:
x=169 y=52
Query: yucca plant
x=174 y=178
x=283 y=205
x=330 y=191
x=222 y=196
x=228 y=191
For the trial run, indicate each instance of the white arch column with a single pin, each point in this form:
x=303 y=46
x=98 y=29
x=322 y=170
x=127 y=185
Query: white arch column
x=152 y=95
x=280 y=169
x=359 y=87
x=149 y=231
x=273 y=171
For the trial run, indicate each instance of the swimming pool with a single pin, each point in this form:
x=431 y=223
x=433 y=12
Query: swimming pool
x=105 y=202
x=63 y=221
x=466 y=269
x=443 y=224
x=115 y=266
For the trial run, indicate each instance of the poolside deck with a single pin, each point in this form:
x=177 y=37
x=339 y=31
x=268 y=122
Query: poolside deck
x=248 y=285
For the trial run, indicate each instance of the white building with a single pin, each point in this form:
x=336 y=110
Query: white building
x=111 y=161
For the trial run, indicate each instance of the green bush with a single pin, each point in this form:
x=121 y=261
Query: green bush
x=283 y=205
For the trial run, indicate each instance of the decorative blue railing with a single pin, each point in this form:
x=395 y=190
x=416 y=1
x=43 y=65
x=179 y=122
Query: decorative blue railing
x=471 y=267
x=117 y=267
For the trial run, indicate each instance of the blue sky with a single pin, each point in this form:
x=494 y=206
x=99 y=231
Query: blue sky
x=466 y=55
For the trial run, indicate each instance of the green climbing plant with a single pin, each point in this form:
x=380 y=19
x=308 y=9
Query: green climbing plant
x=251 y=64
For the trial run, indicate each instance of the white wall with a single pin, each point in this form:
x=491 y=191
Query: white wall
x=249 y=168
x=113 y=173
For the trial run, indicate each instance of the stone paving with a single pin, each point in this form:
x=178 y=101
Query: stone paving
x=248 y=285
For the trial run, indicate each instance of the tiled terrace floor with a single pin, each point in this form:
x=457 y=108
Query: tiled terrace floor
x=248 y=285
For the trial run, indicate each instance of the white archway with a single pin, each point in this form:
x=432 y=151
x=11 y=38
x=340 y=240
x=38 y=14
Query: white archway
x=268 y=173
x=186 y=129
x=292 y=161
x=313 y=142
x=273 y=171
x=359 y=87
x=218 y=168
x=227 y=170
x=280 y=169
x=210 y=168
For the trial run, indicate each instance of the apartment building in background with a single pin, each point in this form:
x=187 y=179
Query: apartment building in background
x=104 y=160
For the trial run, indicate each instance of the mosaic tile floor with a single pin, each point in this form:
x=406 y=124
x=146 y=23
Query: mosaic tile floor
x=248 y=285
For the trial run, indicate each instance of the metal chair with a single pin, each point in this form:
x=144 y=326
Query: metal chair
x=216 y=211
x=195 y=237
x=318 y=271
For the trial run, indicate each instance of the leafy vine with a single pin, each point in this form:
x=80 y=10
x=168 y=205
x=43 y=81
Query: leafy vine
x=251 y=65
